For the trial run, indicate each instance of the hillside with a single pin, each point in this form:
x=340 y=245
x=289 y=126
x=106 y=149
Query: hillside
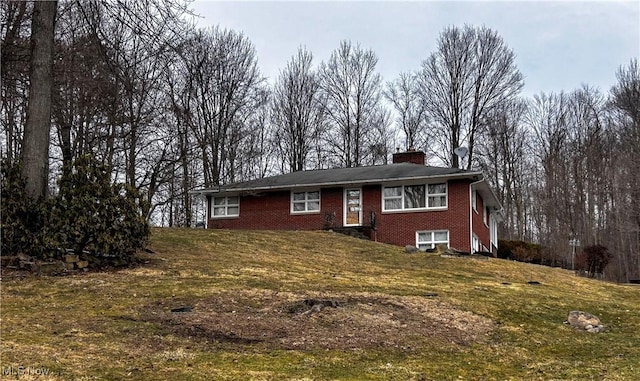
x=314 y=305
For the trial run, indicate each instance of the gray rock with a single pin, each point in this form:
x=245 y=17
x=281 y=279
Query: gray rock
x=50 y=268
x=410 y=249
x=584 y=321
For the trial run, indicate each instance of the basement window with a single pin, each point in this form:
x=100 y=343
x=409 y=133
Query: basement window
x=305 y=202
x=430 y=239
x=228 y=206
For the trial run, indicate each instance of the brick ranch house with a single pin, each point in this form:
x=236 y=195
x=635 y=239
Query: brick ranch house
x=404 y=203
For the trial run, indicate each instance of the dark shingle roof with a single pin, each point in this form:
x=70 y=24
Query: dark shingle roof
x=346 y=176
x=378 y=174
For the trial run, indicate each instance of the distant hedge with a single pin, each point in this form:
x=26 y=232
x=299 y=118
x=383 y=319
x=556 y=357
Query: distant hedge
x=521 y=251
x=593 y=260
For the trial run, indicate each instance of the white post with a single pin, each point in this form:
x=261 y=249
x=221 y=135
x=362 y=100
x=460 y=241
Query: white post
x=574 y=242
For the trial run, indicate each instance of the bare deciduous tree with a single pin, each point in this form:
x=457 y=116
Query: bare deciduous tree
x=85 y=89
x=573 y=152
x=298 y=110
x=625 y=211
x=412 y=118
x=472 y=71
x=626 y=93
x=352 y=89
x=256 y=150
x=14 y=80
x=223 y=81
x=504 y=154
x=547 y=118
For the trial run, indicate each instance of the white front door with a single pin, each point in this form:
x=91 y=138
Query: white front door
x=352 y=207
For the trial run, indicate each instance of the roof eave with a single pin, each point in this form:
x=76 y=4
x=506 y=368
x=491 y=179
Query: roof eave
x=223 y=190
x=486 y=188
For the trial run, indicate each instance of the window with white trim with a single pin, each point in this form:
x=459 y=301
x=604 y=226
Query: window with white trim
x=227 y=206
x=407 y=197
x=392 y=198
x=430 y=239
x=414 y=196
x=305 y=202
x=437 y=195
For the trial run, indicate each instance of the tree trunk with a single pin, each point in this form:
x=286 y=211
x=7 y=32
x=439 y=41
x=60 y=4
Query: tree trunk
x=35 y=154
x=184 y=163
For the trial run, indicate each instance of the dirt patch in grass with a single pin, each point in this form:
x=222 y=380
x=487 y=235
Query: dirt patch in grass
x=311 y=322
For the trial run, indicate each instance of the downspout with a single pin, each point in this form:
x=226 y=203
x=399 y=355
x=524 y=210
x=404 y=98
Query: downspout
x=207 y=211
x=471 y=214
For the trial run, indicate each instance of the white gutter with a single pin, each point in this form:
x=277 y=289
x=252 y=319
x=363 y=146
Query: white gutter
x=471 y=190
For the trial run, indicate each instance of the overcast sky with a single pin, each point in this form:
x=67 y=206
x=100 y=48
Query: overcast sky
x=558 y=45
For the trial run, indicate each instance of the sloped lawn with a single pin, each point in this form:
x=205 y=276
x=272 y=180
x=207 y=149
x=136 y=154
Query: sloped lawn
x=222 y=305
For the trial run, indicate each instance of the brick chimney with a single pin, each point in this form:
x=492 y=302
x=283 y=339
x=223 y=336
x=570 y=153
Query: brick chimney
x=410 y=156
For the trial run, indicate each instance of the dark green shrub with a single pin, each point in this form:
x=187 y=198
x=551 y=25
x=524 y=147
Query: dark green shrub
x=91 y=217
x=520 y=251
x=593 y=260
x=96 y=219
x=22 y=218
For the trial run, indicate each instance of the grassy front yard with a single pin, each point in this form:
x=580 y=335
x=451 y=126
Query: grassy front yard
x=246 y=308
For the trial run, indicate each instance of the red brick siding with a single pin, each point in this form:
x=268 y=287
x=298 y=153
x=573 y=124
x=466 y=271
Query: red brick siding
x=479 y=228
x=272 y=211
x=415 y=157
x=399 y=228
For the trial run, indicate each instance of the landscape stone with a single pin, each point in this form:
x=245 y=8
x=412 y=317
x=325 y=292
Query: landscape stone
x=410 y=249
x=51 y=268
x=24 y=258
x=6 y=260
x=584 y=321
x=27 y=265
